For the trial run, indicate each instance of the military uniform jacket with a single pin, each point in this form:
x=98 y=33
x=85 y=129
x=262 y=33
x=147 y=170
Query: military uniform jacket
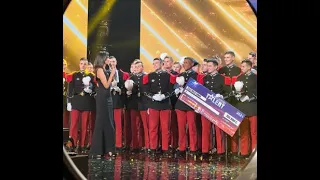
x=214 y=82
x=230 y=74
x=137 y=100
x=173 y=98
x=187 y=75
x=119 y=99
x=250 y=89
x=79 y=99
x=65 y=88
x=160 y=82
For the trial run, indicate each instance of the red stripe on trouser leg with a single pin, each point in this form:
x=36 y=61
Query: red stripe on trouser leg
x=206 y=131
x=182 y=122
x=191 y=117
x=127 y=128
x=91 y=123
x=145 y=123
x=135 y=120
x=117 y=169
x=220 y=140
x=253 y=131
x=165 y=116
x=199 y=131
x=244 y=138
x=74 y=125
x=154 y=128
x=66 y=115
x=118 y=123
x=174 y=130
x=84 y=127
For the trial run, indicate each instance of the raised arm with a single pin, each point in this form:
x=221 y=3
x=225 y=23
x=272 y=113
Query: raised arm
x=105 y=82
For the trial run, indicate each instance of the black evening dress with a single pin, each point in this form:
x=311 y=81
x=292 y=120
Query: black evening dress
x=103 y=139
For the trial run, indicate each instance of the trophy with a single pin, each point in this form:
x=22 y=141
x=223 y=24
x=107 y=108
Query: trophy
x=128 y=84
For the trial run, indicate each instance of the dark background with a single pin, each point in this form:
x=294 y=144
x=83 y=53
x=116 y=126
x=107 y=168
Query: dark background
x=123 y=39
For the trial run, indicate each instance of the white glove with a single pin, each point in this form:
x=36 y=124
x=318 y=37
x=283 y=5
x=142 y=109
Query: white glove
x=117 y=89
x=180 y=80
x=114 y=83
x=219 y=96
x=129 y=93
x=157 y=97
x=238 y=85
x=69 y=107
x=162 y=96
x=244 y=98
x=128 y=84
x=87 y=90
x=178 y=90
x=86 y=80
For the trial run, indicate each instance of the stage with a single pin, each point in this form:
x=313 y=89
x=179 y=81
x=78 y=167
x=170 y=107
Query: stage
x=141 y=166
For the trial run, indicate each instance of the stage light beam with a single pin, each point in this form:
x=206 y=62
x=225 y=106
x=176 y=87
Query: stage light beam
x=233 y=19
x=194 y=14
x=171 y=30
x=160 y=38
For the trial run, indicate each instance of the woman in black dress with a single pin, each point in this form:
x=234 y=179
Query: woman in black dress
x=103 y=140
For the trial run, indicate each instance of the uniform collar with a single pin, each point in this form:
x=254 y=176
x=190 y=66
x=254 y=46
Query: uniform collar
x=213 y=74
x=189 y=71
x=248 y=73
x=160 y=71
x=138 y=74
x=231 y=65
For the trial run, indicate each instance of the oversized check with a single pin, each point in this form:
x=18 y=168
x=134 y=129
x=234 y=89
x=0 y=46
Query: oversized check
x=217 y=110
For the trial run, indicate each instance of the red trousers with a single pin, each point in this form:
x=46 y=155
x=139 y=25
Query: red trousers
x=91 y=122
x=162 y=117
x=127 y=128
x=75 y=116
x=244 y=138
x=174 y=130
x=117 y=113
x=253 y=131
x=136 y=117
x=184 y=118
x=66 y=115
x=145 y=130
x=206 y=134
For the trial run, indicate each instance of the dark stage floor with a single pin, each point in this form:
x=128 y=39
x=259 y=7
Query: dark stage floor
x=141 y=166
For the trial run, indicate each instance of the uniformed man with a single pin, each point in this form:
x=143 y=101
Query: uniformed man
x=80 y=102
x=230 y=71
x=185 y=114
x=173 y=139
x=159 y=87
x=204 y=67
x=176 y=67
x=247 y=103
x=253 y=58
x=118 y=97
x=215 y=83
x=66 y=114
x=138 y=105
x=128 y=105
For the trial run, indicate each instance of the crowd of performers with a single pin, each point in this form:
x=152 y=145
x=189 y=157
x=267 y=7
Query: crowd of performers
x=150 y=118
